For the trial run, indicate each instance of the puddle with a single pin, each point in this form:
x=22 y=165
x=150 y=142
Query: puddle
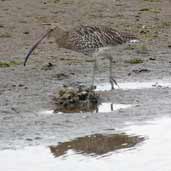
x=134 y=85
x=56 y=157
x=100 y=152
x=89 y=145
x=109 y=107
x=46 y=112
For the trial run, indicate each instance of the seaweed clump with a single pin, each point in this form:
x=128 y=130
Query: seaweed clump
x=76 y=99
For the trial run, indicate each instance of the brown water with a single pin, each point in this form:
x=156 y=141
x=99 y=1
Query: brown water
x=149 y=151
x=96 y=145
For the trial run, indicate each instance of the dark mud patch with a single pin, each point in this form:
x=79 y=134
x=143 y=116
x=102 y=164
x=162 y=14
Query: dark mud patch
x=97 y=144
x=138 y=71
x=48 y=66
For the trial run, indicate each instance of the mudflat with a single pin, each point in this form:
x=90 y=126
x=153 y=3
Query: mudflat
x=26 y=92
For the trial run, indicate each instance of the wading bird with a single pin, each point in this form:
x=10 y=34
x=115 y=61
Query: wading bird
x=89 y=40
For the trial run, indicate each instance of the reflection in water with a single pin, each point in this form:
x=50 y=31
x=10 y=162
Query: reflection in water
x=46 y=112
x=109 y=107
x=101 y=108
x=78 y=109
x=96 y=144
x=134 y=85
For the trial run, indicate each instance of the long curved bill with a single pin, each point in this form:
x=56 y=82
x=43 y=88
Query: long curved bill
x=36 y=44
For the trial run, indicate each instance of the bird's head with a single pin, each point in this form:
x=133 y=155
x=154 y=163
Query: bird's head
x=55 y=31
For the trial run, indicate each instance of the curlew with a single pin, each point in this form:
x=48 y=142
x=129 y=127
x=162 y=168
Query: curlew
x=89 y=40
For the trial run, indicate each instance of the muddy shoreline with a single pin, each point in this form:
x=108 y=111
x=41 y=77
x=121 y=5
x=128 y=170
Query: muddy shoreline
x=26 y=91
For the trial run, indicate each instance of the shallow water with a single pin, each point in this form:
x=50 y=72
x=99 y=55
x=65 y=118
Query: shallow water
x=67 y=155
x=149 y=150
x=109 y=107
x=134 y=85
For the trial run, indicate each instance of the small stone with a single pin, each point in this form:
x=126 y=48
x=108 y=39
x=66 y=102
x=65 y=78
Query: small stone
x=129 y=74
x=29 y=139
x=83 y=95
x=61 y=76
x=137 y=71
x=21 y=85
x=26 y=32
x=48 y=66
x=61 y=92
x=66 y=96
x=71 y=90
x=152 y=59
x=37 y=138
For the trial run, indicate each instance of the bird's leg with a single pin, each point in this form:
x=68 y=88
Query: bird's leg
x=111 y=79
x=92 y=81
x=94 y=70
x=111 y=106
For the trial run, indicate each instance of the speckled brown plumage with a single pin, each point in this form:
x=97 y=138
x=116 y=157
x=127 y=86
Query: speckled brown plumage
x=87 y=39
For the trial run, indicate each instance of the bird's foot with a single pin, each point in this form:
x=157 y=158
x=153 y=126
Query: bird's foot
x=113 y=82
x=92 y=87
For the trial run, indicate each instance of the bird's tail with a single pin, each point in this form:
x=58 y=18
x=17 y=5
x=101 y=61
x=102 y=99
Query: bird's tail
x=128 y=36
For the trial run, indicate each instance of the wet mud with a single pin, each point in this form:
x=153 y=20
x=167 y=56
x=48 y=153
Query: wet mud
x=131 y=150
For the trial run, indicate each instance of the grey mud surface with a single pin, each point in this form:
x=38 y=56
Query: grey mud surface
x=26 y=91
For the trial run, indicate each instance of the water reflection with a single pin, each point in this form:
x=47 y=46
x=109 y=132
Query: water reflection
x=109 y=107
x=106 y=107
x=46 y=112
x=134 y=85
x=97 y=144
x=100 y=108
x=78 y=109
